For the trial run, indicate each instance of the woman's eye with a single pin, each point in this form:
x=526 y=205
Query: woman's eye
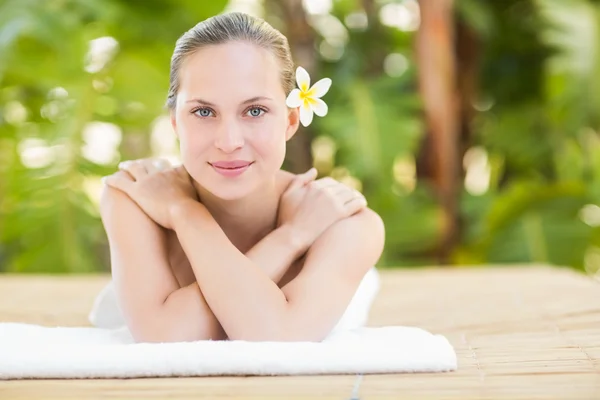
x=203 y=112
x=256 y=112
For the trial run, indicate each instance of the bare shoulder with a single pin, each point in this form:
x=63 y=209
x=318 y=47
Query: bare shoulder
x=343 y=254
x=126 y=225
x=355 y=242
x=118 y=209
x=114 y=202
x=358 y=239
x=364 y=225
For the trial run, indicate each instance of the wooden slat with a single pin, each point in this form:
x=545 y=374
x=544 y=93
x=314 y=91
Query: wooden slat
x=520 y=332
x=530 y=332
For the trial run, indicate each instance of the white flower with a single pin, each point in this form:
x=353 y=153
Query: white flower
x=308 y=98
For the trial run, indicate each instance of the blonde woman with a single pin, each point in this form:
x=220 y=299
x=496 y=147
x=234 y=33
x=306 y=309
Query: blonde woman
x=228 y=245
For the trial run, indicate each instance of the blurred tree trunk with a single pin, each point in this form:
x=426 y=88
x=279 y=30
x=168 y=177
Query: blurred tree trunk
x=439 y=161
x=379 y=40
x=302 y=43
x=370 y=9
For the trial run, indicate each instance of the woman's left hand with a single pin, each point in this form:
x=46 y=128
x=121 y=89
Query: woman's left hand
x=155 y=187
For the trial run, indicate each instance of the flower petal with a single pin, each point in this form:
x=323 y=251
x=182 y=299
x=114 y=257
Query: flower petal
x=306 y=114
x=294 y=100
x=320 y=88
x=303 y=79
x=319 y=107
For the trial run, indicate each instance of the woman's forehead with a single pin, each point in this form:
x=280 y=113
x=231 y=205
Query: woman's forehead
x=234 y=68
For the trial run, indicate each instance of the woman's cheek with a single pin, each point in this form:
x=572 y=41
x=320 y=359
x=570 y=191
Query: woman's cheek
x=196 y=137
x=269 y=136
x=270 y=147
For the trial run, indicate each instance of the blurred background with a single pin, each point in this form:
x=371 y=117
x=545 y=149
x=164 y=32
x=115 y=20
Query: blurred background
x=471 y=126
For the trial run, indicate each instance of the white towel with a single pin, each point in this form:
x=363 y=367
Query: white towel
x=33 y=351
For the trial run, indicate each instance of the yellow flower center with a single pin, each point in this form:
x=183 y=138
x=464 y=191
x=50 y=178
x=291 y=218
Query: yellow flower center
x=306 y=95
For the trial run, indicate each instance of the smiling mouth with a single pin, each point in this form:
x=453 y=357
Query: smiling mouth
x=231 y=167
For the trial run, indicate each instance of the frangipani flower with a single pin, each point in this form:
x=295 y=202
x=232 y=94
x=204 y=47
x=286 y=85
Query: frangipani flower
x=308 y=98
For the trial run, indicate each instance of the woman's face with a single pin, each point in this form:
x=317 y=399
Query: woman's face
x=231 y=118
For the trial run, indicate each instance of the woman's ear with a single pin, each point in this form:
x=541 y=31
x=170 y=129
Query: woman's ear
x=173 y=121
x=293 y=123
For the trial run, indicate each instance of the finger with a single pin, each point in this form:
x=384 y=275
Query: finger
x=346 y=194
x=150 y=166
x=137 y=170
x=303 y=179
x=120 y=180
x=310 y=175
x=182 y=172
x=343 y=188
x=355 y=205
x=126 y=174
x=161 y=164
x=326 y=182
x=125 y=164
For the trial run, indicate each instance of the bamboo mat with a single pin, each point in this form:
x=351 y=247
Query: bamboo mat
x=529 y=332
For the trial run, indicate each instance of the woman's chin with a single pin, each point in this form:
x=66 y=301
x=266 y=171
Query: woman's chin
x=229 y=188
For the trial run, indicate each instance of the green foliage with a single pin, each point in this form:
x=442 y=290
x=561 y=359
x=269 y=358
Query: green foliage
x=48 y=220
x=375 y=120
x=540 y=70
x=538 y=124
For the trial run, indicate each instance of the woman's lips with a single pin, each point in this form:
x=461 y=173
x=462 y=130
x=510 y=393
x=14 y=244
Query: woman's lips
x=231 y=168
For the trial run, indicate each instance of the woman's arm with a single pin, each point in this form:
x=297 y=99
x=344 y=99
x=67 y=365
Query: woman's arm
x=277 y=251
x=281 y=248
x=250 y=306
x=155 y=308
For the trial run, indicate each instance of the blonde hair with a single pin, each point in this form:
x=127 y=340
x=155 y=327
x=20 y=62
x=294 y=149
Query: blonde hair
x=226 y=28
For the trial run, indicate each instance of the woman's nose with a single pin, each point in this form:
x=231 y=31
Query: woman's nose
x=229 y=138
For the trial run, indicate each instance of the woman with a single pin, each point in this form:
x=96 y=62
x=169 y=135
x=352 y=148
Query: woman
x=228 y=245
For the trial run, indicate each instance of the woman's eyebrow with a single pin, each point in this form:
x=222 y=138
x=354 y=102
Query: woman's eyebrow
x=257 y=98
x=208 y=103
x=200 y=101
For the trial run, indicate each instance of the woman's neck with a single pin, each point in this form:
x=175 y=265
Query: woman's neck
x=248 y=220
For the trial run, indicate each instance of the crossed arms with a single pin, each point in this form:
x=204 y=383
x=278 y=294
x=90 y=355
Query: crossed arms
x=235 y=295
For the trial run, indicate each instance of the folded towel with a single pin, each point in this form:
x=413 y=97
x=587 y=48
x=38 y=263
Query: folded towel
x=108 y=350
x=32 y=351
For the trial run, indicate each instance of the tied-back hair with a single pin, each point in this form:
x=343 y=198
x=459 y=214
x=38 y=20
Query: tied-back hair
x=225 y=28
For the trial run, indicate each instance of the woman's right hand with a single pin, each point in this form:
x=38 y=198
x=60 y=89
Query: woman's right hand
x=311 y=206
